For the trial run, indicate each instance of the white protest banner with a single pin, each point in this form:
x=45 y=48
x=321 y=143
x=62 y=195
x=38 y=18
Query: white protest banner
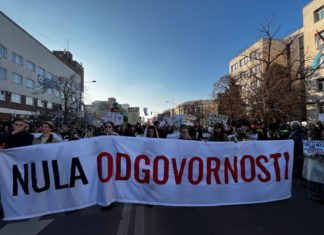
x=113 y=117
x=214 y=118
x=313 y=169
x=43 y=179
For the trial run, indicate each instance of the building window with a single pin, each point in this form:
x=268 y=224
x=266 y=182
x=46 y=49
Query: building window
x=41 y=71
x=49 y=105
x=16 y=98
x=321 y=108
x=31 y=66
x=241 y=62
x=234 y=67
x=255 y=70
x=244 y=75
x=16 y=78
x=244 y=61
x=56 y=92
x=320 y=84
x=49 y=91
x=3 y=51
x=40 y=103
x=29 y=101
x=17 y=59
x=258 y=83
x=2 y=95
x=50 y=76
x=3 y=73
x=30 y=83
x=319 y=14
x=257 y=54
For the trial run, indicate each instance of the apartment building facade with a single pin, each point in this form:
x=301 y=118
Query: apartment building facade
x=24 y=64
x=248 y=66
x=313 y=20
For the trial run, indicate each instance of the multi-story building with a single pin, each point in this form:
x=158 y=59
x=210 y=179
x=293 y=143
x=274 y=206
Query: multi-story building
x=198 y=108
x=313 y=17
x=24 y=62
x=248 y=66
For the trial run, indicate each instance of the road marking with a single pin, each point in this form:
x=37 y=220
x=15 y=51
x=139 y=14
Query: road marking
x=30 y=227
x=125 y=221
x=139 y=220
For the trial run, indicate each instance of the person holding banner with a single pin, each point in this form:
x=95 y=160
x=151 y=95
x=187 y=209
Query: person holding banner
x=18 y=137
x=219 y=133
x=184 y=133
x=110 y=129
x=46 y=137
x=297 y=136
x=151 y=132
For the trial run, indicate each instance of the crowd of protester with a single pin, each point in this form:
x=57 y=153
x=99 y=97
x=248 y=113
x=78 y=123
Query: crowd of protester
x=22 y=134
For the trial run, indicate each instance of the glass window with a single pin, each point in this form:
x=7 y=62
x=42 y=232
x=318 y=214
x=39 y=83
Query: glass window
x=16 y=98
x=321 y=107
x=31 y=66
x=30 y=83
x=319 y=14
x=50 y=76
x=49 y=105
x=16 y=78
x=258 y=83
x=3 y=73
x=56 y=92
x=49 y=91
x=40 y=103
x=241 y=62
x=17 y=59
x=3 y=51
x=40 y=71
x=319 y=39
x=29 y=100
x=320 y=84
x=2 y=95
x=257 y=54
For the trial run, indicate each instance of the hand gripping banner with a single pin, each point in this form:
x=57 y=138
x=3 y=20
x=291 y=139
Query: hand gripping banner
x=44 y=179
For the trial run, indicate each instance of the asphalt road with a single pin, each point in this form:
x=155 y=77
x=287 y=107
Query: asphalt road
x=297 y=215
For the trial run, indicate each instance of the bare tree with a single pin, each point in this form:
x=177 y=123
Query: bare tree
x=220 y=86
x=273 y=85
x=70 y=90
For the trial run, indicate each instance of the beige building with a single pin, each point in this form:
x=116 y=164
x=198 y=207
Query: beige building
x=247 y=67
x=313 y=17
x=198 y=108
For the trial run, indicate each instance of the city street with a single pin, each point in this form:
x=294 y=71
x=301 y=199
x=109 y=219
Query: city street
x=297 y=215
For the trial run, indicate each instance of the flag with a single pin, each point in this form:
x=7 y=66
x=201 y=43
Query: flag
x=317 y=60
x=145 y=111
x=320 y=35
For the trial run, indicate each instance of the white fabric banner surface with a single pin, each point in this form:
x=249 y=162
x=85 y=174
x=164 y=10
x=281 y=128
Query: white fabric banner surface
x=313 y=168
x=43 y=179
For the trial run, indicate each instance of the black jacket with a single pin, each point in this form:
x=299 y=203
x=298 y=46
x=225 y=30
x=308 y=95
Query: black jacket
x=19 y=139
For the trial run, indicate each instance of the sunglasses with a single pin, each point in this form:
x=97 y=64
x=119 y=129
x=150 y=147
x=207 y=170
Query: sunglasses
x=109 y=126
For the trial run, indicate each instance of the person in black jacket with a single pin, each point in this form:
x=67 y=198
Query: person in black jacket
x=18 y=137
